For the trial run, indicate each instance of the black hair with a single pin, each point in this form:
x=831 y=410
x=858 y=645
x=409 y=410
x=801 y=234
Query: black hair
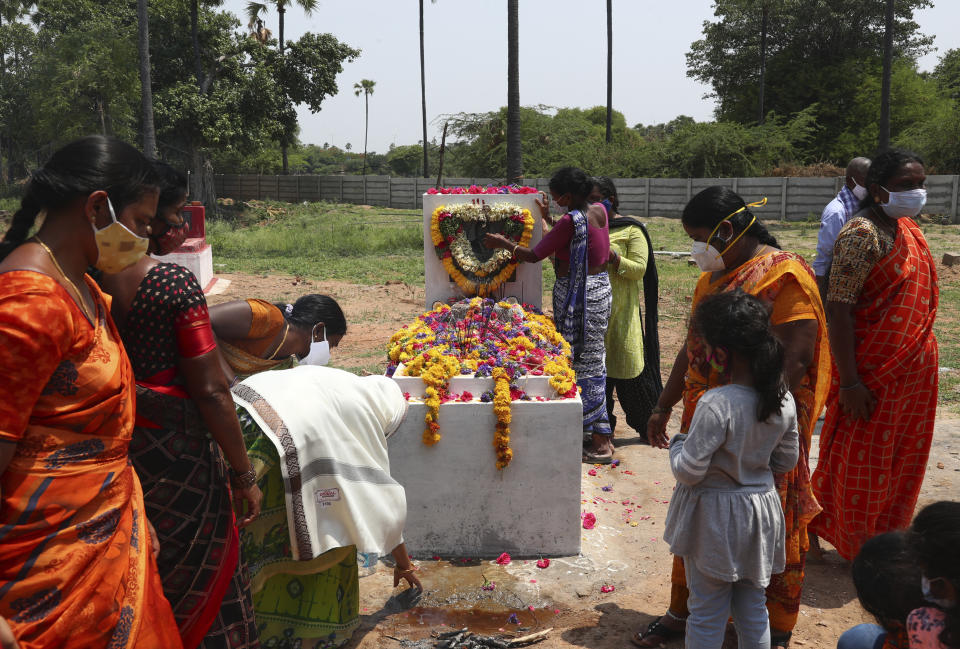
x=173 y=185
x=311 y=309
x=609 y=191
x=935 y=537
x=573 y=181
x=887 y=579
x=714 y=204
x=884 y=166
x=78 y=169
x=740 y=323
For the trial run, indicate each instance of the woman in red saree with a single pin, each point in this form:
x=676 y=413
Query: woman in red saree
x=77 y=562
x=187 y=437
x=749 y=258
x=882 y=302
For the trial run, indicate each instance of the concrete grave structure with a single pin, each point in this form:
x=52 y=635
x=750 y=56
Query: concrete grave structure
x=527 y=287
x=196 y=255
x=460 y=505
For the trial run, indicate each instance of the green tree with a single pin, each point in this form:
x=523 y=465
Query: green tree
x=816 y=52
x=365 y=87
x=255 y=11
x=914 y=100
x=947 y=74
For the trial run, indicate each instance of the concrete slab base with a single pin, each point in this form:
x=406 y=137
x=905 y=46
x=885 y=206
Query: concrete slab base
x=199 y=262
x=460 y=505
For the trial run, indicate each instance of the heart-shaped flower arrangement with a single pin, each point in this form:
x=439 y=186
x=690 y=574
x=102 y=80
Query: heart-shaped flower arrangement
x=457 y=233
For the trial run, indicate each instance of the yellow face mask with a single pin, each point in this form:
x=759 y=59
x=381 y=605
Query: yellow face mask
x=117 y=246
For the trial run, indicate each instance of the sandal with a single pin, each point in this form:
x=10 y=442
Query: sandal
x=655 y=635
x=589 y=457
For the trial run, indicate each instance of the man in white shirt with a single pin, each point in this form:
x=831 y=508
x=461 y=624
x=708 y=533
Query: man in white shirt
x=837 y=212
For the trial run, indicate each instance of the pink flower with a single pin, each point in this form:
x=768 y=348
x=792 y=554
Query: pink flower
x=607 y=589
x=589 y=520
x=592 y=472
x=503 y=559
x=543 y=563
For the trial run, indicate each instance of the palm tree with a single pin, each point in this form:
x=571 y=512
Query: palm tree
x=885 y=82
x=146 y=94
x=609 y=70
x=514 y=151
x=423 y=93
x=256 y=9
x=764 y=24
x=366 y=87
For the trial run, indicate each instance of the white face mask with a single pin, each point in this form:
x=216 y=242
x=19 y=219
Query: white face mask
x=117 y=246
x=945 y=604
x=859 y=191
x=706 y=256
x=319 y=353
x=901 y=204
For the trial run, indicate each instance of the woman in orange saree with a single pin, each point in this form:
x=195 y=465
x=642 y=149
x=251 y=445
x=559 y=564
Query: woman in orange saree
x=882 y=302
x=751 y=260
x=77 y=567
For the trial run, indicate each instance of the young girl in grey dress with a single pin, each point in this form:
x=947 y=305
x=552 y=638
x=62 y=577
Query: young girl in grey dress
x=725 y=518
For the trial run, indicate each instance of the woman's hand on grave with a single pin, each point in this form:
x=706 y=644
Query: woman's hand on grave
x=493 y=240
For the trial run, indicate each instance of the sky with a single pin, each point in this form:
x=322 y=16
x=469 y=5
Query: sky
x=562 y=60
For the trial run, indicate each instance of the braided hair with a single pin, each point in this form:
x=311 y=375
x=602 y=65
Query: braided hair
x=78 y=169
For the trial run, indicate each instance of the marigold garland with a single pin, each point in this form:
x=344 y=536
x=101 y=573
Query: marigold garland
x=480 y=337
x=501 y=408
x=453 y=247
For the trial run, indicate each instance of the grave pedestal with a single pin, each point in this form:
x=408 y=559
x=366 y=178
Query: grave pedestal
x=460 y=505
x=195 y=254
x=528 y=284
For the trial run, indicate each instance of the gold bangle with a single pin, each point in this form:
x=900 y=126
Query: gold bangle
x=412 y=569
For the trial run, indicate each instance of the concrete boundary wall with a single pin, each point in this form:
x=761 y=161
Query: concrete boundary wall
x=791 y=199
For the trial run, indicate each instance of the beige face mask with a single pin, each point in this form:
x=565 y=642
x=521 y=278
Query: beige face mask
x=117 y=246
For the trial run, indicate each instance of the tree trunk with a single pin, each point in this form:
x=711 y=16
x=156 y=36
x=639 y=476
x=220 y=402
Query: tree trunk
x=366 y=127
x=201 y=181
x=283 y=145
x=609 y=70
x=885 y=84
x=764 y=17
x=443 y=148
x=514 y=150
x=146 y=94
x=195 y=38
x=103 y=117
x=423 y=98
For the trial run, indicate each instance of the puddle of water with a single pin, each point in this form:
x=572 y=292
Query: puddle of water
x=478 y=621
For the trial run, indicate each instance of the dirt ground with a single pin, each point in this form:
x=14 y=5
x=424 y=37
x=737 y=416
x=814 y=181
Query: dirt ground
x=625 y=549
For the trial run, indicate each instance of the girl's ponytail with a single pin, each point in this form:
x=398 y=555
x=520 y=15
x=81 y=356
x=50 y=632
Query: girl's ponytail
x=766 y=365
